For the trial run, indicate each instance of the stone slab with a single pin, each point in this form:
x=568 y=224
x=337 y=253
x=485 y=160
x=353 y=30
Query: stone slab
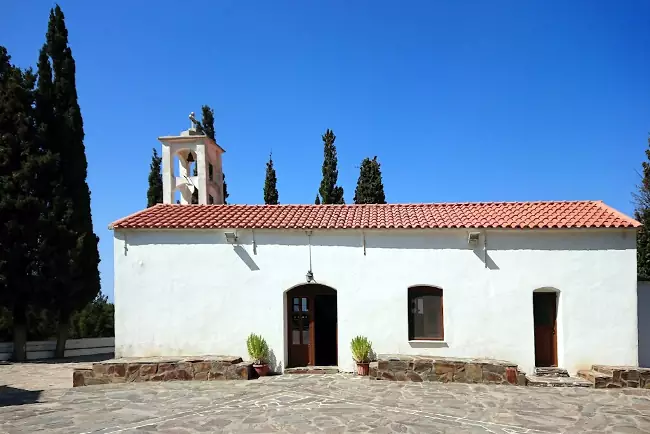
x=312 y=370
x=551 y=371
x=548 y=381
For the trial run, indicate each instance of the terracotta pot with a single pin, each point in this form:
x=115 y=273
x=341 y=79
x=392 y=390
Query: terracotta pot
x=363 y=369
x=262 y=370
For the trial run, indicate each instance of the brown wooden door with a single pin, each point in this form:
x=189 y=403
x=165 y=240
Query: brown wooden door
x=300 y=330
x=545 y=318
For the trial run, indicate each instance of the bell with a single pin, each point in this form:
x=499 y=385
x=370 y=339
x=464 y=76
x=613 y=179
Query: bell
x=190 y=157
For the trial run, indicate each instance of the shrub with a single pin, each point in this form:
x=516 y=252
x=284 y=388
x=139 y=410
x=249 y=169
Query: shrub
x=258 y=350
x=361 y=349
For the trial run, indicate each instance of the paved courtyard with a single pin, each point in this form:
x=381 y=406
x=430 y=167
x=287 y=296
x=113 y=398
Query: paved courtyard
x=309 y=403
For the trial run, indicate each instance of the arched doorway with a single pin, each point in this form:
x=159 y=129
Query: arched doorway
x=545 y=304
x=312 y=326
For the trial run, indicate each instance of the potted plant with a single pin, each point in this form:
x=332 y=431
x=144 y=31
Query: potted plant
x=361 y=348
x=258 y=350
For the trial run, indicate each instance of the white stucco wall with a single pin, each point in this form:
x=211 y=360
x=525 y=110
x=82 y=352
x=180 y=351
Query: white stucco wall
x=190 y=293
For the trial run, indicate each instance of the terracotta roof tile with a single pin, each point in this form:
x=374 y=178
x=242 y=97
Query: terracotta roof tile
x=516 y=215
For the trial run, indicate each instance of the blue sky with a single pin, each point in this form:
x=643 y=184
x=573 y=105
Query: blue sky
x=460 y=100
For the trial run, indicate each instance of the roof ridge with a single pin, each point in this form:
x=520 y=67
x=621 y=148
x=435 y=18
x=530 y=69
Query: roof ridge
x=261 y=205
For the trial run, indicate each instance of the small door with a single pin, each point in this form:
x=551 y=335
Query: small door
x=545 y=319
x=300 y=315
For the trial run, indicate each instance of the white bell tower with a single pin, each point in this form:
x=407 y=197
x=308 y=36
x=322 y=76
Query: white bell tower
x=192 y=146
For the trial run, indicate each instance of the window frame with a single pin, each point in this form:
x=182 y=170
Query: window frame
x=418 y=291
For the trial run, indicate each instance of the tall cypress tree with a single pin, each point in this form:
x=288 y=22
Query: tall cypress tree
x=74 y=274
x=370 y=188
x=20 y=207
x=207 y=126
x=271 y=195
x=329 y=191
x=642 y=214
x=155 y=191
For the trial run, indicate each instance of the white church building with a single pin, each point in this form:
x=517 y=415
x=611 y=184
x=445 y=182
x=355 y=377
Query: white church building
x=535 y=283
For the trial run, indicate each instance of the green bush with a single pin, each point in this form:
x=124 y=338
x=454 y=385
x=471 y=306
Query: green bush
x=258 y=350
x=95 y=320
x=361 y=349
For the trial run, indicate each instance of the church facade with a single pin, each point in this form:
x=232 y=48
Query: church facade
x=535 y=283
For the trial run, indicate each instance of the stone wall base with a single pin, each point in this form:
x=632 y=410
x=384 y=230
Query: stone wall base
x=446 y=370
x=609 y=377
x=130 y=370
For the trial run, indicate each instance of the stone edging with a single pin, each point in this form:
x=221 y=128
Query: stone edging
x=164 y=369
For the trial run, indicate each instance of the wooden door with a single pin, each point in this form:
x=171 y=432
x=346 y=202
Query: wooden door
x=545 y=318
x=300 y=330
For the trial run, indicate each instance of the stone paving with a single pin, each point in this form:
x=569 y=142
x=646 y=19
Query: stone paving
x=322 y=403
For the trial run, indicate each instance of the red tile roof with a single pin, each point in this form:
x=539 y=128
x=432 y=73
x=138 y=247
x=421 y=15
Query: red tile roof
x=511 y=215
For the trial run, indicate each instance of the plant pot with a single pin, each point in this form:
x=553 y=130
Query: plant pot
x=262 y=370
x=363 y=369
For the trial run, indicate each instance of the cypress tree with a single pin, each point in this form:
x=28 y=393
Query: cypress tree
x=207 y=121
x=370 y=188
x=271 y=195
x=642 y=214
x=20 y=207
x=329 y=191
x=73 y=273
x=155 y=192
x=317 y=201
x=207 y=127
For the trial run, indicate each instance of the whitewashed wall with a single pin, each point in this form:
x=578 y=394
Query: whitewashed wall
x=189 y=292
x=73 y=347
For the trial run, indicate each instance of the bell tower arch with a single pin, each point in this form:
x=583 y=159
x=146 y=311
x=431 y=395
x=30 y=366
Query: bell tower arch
x=192 y=146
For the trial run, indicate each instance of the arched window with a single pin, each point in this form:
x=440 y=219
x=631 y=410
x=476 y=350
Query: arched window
x=425 y=313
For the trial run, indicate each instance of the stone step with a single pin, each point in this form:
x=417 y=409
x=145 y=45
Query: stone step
x=313 y=370
x=625 y=376
x=551 y=371
x=546 y=381
x=598 y=380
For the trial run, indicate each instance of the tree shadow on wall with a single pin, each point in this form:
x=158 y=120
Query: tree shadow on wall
x=13 y=396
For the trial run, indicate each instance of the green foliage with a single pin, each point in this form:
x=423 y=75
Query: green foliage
x=330 y=193
x=271 y=195
x=70 y=253
x=155 y=192
x=207 y=121
x=370 y=188
x=361 y=349
x=642 y=214
x=48 y=250
x=22 y=163
x=258 y=349
x=317 y=201
x=95 y=320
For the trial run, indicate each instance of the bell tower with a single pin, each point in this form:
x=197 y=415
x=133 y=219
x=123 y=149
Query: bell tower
x=192 y=146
